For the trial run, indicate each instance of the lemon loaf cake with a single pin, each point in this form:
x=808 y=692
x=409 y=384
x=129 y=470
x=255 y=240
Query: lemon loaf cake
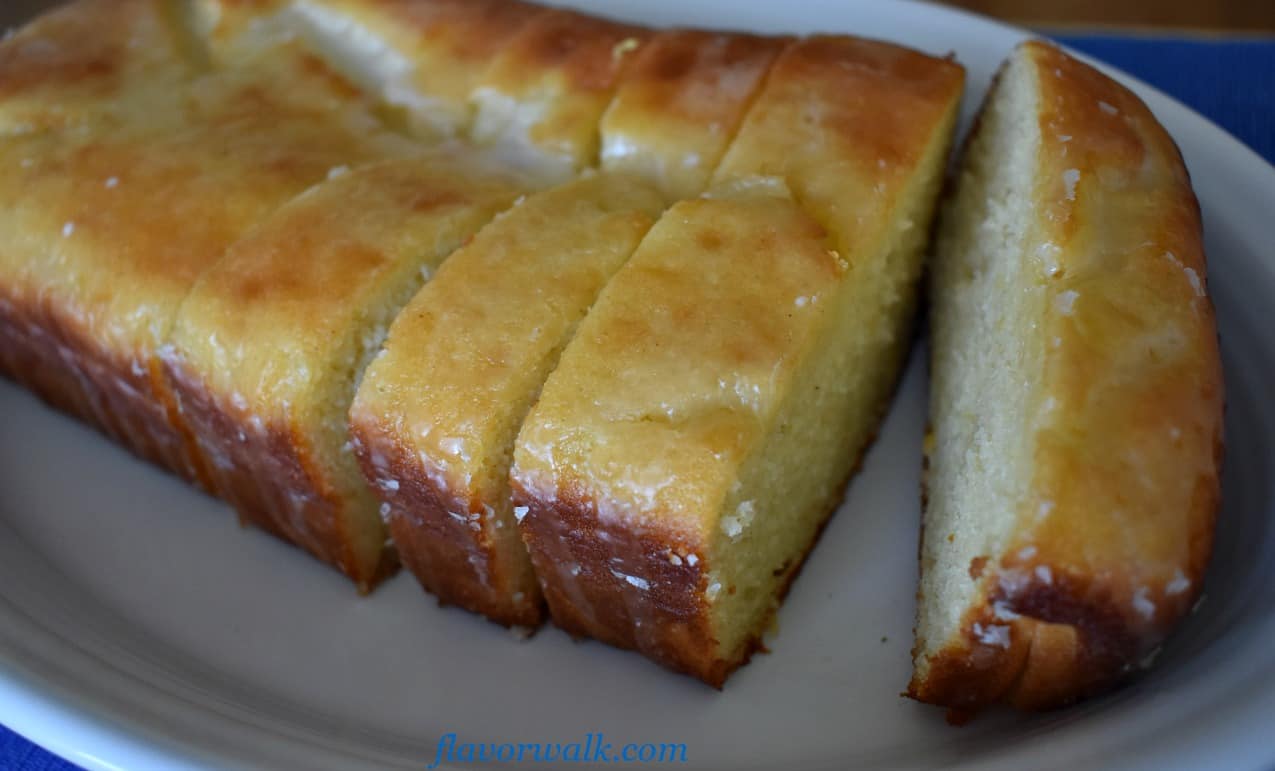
x=680 y=103
x=269 y=345
x=113 y=208
x=438 y=411
x=701 y=425
x=1076 y=404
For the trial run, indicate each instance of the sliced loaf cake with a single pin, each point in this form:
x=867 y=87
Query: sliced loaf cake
x=1076 y=404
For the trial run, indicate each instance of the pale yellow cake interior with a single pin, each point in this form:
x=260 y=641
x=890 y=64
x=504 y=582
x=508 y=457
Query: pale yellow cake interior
x=987 y=295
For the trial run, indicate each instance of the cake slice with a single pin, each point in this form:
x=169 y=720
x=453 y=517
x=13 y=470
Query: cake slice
x=269 y=345
x=110 y=212
x=680 y=460
x=680 y=103
x=1076 y=404
x=437 y=412
x=538 y=105
x=701 y=425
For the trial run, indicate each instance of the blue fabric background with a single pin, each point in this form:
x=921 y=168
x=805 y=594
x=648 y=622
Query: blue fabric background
x=1230 y=82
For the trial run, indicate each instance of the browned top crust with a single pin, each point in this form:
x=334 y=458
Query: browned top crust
x=679 y=104
x=140 y=171
x=542 y=97
x=75 y=63
x=1110 y=550
x=844 y=122
x=421 y=57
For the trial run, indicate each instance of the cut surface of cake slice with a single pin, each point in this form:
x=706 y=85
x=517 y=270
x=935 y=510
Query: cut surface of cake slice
x=679 y=104
x=113 y=209
x=1076 y=404
x=539 y=103
x=437 y=412
x=703 y=422
x=269 y=345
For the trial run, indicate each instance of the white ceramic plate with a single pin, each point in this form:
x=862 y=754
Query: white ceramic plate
x=141 y=628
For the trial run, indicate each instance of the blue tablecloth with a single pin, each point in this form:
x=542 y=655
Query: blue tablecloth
x=1230 y=82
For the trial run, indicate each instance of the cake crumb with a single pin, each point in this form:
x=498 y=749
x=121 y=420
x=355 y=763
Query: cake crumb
x=1143 y=604
x=1066 y=301
x=625 y=46
x=1070 y=178
x=1179 y=584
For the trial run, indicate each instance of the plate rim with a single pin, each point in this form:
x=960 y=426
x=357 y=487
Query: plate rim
x=46 y=713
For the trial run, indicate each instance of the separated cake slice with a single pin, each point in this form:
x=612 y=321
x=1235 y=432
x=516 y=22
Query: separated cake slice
x=538 y=104
x=109 y=217
x=437 y=412
x=1077 y=397
x=702 y=423
x=267 y=351
x=680 y=103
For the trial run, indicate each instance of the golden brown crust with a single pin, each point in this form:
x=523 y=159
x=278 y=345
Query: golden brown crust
x=273 y=479
x=1110 y=550
x=679 y=104
x=845 y=158
x=70 y=65
x=47 y=353
x=675 y=630
x=667 y=621
x=450 y=554
x=540 y=101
